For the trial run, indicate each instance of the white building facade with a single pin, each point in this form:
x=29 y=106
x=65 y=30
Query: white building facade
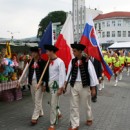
x=80 y=14
x=113 y=27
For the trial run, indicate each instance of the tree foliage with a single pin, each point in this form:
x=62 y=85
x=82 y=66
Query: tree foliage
x=56 y=16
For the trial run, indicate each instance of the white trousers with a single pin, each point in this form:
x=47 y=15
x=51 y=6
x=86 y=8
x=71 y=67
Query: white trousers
x=54 y=111
x=37 y=97
x=83 y=95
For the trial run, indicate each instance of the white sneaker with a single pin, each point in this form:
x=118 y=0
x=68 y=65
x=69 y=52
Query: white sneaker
x=103 y=85
x=100 y=87
x=115 y=84
x=120 y=78
x=128 y=74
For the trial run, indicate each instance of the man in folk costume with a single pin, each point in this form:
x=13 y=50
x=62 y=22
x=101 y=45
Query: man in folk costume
x=36 y=68
x=82 y=75
x=57 y=75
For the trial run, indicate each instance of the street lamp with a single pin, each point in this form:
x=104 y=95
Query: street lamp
x=12 y=34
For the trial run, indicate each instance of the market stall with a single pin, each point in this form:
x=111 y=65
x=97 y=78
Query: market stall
x=9 y=92
x=8 y=85
x=19 y=47
x=9 y=74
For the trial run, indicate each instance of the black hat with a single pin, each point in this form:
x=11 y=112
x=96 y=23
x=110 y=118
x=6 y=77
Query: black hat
x=34 y=49
x=78 y=46
x=51 y=48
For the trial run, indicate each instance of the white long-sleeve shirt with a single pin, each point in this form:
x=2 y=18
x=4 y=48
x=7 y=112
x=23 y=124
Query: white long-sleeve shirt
x=57 y=72
x=93 y=77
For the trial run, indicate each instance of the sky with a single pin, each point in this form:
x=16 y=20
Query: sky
x=22 y=17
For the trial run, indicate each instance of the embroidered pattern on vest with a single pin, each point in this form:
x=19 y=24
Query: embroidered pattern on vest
x=83 y=66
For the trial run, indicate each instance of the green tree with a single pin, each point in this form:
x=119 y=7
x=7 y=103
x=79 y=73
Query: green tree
x=56 y=16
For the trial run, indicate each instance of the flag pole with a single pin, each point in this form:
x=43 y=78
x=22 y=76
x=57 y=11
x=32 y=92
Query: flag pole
x=66 y=85
x=24 y=71
x=43 y=73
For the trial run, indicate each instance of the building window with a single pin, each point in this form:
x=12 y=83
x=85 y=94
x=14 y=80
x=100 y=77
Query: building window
x=99 y=26
x=95 y=26
x=83 y=17
x=103 y=24
x=113 y=33
x=75 y=12
x=119 y=33
x=83 y=26
x=128 y=33
x=113 y=23
x=103 y=34
x=108 y=23
x=79 y=14
x=108 y=34
x=75 y=18
x=119 y=23
x=128 y=22
x=124 y=33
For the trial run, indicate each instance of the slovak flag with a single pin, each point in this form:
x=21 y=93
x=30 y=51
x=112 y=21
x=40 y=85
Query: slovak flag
x=64 y=40
x=46 y=39
x=90 y=40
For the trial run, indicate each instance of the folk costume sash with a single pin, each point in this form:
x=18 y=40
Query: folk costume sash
x=53 y=90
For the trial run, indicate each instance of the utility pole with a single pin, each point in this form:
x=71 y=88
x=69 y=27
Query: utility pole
x=12 y=35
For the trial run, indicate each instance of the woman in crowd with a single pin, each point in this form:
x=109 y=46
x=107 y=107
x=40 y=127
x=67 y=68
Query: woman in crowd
x=122 y=61
x=109 y=60
x=116 y=69
x=128 y=64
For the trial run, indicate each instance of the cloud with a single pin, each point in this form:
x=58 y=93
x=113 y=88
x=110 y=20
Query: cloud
x=109 y=5
x=25 y=15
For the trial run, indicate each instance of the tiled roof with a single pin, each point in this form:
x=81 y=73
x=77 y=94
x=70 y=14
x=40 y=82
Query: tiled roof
x=112 y=15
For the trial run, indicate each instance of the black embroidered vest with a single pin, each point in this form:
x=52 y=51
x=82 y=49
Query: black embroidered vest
x=38 y=71
x=83 y=71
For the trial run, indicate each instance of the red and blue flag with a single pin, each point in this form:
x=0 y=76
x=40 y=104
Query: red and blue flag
x=90 y=40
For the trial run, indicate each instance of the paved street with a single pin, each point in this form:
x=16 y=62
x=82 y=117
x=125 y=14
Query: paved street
x=111 y=112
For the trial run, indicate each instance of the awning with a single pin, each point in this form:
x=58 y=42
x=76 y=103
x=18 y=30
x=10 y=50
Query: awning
x=21 y=44
x=31 y=44
x=120 y=45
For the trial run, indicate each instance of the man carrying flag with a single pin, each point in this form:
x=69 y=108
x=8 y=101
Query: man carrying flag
x=57 y=76
x=89 y=39
x=35 y=69
x=81 y=75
